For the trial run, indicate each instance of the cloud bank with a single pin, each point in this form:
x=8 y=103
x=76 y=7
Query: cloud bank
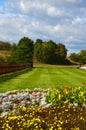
x=58 y=20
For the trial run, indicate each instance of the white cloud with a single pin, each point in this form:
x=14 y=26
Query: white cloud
x=59 y=20
x=73 y=39
x=52 y=11
x=78 y=21
x=29 y=6
x=58 y=28
x=70 y=38
x=22 y=5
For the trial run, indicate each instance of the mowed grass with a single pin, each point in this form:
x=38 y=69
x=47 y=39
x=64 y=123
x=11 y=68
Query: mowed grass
x=45 y=77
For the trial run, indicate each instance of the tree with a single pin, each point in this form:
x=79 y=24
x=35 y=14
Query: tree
x=61 y=53
x=82 y=56
x=48 y=52
x=14 y=47
x=79 y=57
x=24 y=51
x=74 y=57
x=61 y=50
x=38 y=49
x=5 y=45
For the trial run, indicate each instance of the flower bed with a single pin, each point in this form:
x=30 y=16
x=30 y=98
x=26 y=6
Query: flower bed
x=57 y=117
x=13 y=99
x=44 y=109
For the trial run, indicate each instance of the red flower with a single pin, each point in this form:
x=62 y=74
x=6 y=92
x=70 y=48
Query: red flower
x=67 y=89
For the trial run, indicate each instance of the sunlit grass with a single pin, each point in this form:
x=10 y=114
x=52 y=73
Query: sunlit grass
x=45 y=77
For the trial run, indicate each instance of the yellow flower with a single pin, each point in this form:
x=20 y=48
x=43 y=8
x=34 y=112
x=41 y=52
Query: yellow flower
x=24 y=109
x=60 y=128
x=76 y=128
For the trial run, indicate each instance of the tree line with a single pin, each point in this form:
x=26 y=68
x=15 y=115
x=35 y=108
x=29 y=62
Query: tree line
x=43 y=51
x=50 y=52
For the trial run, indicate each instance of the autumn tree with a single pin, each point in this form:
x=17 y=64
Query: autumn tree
x=38 y=49
x=61 y=53
x=50 y=52
x=5 y=45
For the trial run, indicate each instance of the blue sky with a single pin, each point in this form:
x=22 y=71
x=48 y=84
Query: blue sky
x=2 y=2
x=62 y=21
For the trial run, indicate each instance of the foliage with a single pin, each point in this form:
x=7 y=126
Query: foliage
x=23 y=52
x=50 y=52
x=61 y=50
x=44 y=51
x=79 y=57
x=68 y=95
x=82 y=56
x=38 y=49
x=5 y=45
x=2 y=60
x=61 y=53
x=74 y=57
x=14 y=47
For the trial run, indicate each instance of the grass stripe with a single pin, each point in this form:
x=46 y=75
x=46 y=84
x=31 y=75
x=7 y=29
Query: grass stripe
x=45 y=77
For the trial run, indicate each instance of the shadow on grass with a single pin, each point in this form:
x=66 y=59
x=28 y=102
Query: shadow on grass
x=8 y=76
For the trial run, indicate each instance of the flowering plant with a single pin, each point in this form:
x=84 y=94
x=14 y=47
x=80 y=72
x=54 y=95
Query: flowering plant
x=68 y=95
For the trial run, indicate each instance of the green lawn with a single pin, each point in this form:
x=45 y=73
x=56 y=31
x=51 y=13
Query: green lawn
x=45 y=77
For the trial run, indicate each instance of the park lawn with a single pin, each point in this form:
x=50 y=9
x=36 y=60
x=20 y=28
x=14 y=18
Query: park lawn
x=45 y=77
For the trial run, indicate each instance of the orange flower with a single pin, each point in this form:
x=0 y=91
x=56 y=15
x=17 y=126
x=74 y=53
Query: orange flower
x=67 y=89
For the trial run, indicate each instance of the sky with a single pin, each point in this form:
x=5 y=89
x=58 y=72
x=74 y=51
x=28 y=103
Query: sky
x=63 y=21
